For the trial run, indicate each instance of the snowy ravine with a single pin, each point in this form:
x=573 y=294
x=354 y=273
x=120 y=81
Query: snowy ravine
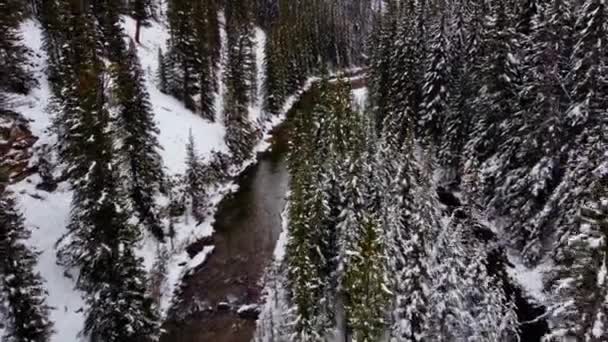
x=47 y=214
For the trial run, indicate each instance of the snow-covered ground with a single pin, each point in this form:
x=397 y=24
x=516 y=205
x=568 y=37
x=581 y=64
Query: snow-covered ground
x=46 y=214
x=360 y=98
x=530 y=279
x=172 y=117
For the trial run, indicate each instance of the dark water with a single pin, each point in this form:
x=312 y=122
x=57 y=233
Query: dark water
x=248 y=224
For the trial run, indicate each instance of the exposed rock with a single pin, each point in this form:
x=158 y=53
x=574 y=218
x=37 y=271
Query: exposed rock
x=16 y=142
x=199 y=245
x=48 y=186
x=448 y=198
x=223 y=306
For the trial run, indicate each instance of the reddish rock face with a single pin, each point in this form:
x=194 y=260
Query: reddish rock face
x=16 y=142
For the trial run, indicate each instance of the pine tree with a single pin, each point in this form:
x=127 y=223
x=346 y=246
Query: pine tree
x=121 y=309
x=497 y=98
x=195 y=178
x=303 y=260
x=107 y=13
x=536 y=131
x=460 y=311
x=21 y=288
x=435 y=91
x=276 y=70
x=15 y=69
x=581 y=281
x=366 y=284
x=139 y=145
x=161 y=73
x=180 y=58
x=100 y=240
x=52 y=18
x=239 y=79
x=407 y=230
x=307 y=212
x=203 y=33
x=382 y=59
x=457 y=117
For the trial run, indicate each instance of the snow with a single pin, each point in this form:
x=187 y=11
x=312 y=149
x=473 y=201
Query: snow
x=47 y=219
x=172 y=117
x=256 y=113
x=598 y=326
x=47 y=214
x=360 y=97
x=219 y=74
x=280 y=248
x=530 y=279
x=200 y=258
x=601 y=275
x=246 y=308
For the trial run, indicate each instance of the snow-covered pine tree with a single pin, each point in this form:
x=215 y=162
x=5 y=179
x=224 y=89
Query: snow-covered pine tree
x=534 y=139
x=349 y=235
x=581 y=283
x=99 y=235
x=457 y=117
x=215 y=42
x=181 y=63
x=161 y=72
x=340 y=140
x=406 y=229
x=304 y=262
x=241 y=69
x=22 y=292
x=136 y=131
x=466 y=302
x=78 y=88
x=203 y=33
x=436 y=88
x=276 y=70
x=110 y=35
x=240 y=79
x=384 y=55
x=15 y=67
x=121 y=308
x=53 y=19
x=526 y=15
x=365 y=283
x=497 y=98
x=195 y=179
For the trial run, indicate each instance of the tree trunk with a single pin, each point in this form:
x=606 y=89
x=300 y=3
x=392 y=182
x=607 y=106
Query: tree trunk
x=137 y=30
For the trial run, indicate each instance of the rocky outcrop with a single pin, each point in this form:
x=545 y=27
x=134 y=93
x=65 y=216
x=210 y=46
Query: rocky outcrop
x=16 y=148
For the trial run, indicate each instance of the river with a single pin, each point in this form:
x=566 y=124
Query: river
x=248 y=224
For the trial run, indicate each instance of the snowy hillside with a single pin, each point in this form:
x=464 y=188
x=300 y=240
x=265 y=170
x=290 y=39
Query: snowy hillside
x=47 y=213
